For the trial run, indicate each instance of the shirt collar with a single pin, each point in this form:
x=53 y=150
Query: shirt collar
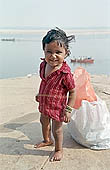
x=64 y=68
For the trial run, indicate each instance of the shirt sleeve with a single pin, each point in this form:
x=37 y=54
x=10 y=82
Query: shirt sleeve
x=41 y=69
x=69 y=81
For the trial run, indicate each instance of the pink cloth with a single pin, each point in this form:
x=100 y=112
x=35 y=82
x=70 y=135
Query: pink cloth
x=53 y=91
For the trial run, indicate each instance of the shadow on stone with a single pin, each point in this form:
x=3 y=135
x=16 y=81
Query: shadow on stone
x=25 y=133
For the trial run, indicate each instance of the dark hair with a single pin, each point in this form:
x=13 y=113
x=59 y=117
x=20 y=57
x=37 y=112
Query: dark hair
x=59 y=36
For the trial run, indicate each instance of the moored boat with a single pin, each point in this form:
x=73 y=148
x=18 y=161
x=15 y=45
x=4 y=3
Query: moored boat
x=83 y=60
x=8 y=39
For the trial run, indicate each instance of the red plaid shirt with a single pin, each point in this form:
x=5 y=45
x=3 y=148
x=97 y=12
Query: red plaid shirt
x=53 y=91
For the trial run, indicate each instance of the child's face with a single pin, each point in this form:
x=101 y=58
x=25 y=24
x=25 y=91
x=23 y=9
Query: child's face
x=54 y=53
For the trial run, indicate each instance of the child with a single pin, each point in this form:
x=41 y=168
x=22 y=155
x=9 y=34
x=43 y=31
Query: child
x=57 y=80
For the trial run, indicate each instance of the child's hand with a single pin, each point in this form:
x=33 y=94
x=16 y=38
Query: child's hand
x=67 y=117
x=37 y=98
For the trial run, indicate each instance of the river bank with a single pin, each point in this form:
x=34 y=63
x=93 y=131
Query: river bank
x=20 y=129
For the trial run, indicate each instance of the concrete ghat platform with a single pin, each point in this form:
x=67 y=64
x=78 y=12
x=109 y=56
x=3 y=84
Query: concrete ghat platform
x=20 y=129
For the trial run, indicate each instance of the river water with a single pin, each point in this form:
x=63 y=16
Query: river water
x=22 y=56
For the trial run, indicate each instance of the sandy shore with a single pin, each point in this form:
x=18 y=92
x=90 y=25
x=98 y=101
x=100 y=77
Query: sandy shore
x=20 y=129
x=75 y=31
x=24 y=90
x=101 y=84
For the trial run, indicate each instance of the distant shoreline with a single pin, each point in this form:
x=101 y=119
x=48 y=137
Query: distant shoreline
x=75 y=31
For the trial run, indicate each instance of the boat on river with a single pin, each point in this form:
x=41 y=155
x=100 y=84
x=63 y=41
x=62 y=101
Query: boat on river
x=8 y=39
x=83 y=60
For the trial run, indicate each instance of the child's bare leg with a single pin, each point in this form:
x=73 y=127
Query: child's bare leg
x=58 y=135
x=46 y=132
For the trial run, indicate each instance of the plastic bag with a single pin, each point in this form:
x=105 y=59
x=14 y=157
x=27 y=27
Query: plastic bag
x=84 y=89
x=90 y=124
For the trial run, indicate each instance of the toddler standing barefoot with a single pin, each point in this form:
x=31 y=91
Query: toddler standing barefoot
x=57 y=81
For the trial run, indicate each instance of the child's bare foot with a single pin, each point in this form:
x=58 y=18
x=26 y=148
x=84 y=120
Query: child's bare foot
x=57 y=156
x=43 y=144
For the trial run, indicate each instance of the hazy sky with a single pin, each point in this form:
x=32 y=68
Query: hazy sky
x=49 y=13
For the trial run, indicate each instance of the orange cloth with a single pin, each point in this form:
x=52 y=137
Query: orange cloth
x=84 y=89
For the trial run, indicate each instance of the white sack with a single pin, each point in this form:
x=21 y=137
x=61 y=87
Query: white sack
x=90 y=125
